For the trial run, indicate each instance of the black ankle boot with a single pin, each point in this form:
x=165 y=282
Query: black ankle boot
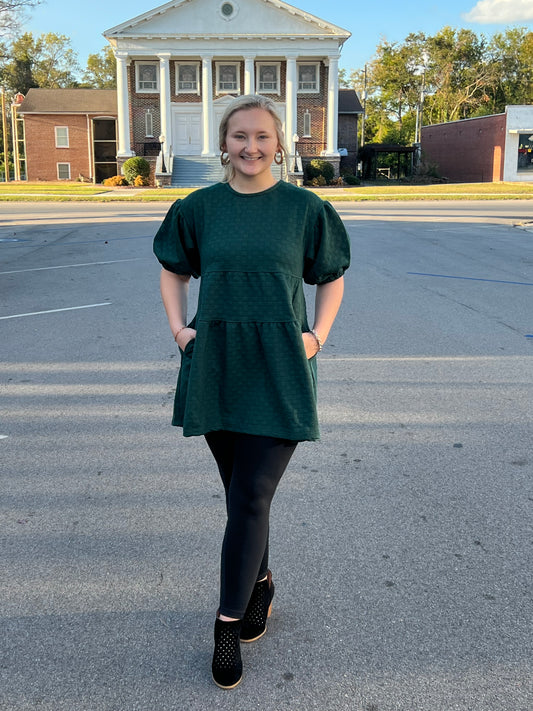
x=258 y=610
x=227 y=662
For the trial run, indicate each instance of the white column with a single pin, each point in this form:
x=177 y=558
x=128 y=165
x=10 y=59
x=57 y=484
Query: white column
x=123 y=114
x=249 y=74
x=164 y=102
x=207 y=106
x=291 y=89
x=333 y=106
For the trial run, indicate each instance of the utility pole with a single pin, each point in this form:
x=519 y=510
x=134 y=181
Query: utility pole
x=364 y=113
x=4 y=134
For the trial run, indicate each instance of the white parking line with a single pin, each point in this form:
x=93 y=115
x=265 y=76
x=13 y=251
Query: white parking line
x=55 y=311
x=68 y=266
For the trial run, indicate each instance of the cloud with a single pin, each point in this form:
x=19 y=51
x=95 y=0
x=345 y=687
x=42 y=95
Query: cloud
x=500 y=12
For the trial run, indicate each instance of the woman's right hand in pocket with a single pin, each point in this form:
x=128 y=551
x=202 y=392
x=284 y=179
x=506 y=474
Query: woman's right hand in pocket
x=185 y=336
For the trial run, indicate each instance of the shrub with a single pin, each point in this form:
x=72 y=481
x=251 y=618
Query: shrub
x=318 y=182
x=115 y=181
x=136 y=166
x=318 y=167
x=352 y=180
x=141 y=182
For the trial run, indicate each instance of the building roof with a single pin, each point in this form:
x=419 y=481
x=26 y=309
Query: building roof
x=70 y=101
x=349 y=102
x=200 y=20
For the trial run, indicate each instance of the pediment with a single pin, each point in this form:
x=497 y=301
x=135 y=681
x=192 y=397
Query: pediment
x=226 y=18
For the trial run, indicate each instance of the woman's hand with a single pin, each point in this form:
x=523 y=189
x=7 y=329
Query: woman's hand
x=184 y=336
x=310 y=344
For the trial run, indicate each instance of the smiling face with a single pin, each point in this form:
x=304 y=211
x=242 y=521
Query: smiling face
x=251 y=144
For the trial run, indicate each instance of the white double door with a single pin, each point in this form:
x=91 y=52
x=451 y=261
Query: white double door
x=187 y=130
x=187 y=126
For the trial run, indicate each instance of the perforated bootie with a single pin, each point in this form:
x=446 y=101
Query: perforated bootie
x=227 y=662
x=258 y=611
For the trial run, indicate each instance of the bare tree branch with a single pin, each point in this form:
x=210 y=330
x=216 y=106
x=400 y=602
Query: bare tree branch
x=11 y=13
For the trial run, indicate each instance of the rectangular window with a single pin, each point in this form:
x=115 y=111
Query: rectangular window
x=104 y=129
x=268 y=77
x=149 y=124
x=307 y=124
x=309 y=77
x=525 y=152
x=105 y=148
x=147 y=77
x=187 y=77
x=228 y=78
x=63 y=171
x=61 y=136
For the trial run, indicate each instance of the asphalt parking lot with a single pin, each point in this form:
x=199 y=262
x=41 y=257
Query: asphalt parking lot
x=401 y=542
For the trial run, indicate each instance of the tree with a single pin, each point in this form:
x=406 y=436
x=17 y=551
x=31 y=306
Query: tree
x=344 y=82
x=57 y=62
x=512 y=59
x=48 y=62
x=458 y=74
x=396 y=71
x=101 y=71
x=392 y=85
x=10 y=13
x=17 y=75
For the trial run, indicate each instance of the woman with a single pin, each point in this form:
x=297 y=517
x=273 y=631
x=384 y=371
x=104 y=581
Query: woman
x=247 y=380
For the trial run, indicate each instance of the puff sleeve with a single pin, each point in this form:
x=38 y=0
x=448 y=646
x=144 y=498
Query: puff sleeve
x=327 y=255
x=175 y=244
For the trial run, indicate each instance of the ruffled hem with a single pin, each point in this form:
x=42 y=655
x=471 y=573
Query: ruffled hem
x=247 y=377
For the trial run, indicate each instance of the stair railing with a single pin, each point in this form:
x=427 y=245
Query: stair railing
x=164 y=161
x=170 y=160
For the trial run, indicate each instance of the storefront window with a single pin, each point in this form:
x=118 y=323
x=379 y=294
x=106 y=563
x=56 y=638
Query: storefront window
x=525 y=152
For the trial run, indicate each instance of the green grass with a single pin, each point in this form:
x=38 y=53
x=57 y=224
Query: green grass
x=77 y=192
x=444 y=191
x=50 y=188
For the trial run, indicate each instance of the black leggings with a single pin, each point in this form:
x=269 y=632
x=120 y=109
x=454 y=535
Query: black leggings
x=251 y=468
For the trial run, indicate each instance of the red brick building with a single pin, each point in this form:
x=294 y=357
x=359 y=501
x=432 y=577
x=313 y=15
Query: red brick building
x=485 y=149
x=179 y=65
x=69 y=134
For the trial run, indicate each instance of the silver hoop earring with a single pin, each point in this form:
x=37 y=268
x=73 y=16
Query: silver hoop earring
x=224 y=159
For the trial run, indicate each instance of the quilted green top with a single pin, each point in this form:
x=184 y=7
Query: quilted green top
x=246 y=370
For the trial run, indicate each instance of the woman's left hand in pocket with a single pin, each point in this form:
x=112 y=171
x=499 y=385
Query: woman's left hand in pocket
x=185 y=336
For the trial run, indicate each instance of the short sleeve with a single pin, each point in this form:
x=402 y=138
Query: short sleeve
x=175 y=244
x=327 y=254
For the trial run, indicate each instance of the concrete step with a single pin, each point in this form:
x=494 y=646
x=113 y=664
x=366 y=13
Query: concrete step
x=199 y=172
x=195 y=171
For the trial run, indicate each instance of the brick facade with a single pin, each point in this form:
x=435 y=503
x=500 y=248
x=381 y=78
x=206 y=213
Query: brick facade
x=42 y=155
x=467 y=151
x=314 y=103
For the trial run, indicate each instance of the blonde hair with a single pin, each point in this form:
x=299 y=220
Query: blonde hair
x=245 y=103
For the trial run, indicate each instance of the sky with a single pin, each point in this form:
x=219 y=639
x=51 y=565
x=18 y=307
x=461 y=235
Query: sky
x=368 y=21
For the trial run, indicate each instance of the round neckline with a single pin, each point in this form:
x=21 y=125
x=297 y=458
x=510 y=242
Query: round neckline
x=259 y=192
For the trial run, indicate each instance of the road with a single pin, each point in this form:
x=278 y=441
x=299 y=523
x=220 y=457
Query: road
x=401 y=543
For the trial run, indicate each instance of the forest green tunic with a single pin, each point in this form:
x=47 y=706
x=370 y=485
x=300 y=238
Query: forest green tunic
x=246 y=370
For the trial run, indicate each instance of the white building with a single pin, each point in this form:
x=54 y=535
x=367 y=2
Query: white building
x=179 y=64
